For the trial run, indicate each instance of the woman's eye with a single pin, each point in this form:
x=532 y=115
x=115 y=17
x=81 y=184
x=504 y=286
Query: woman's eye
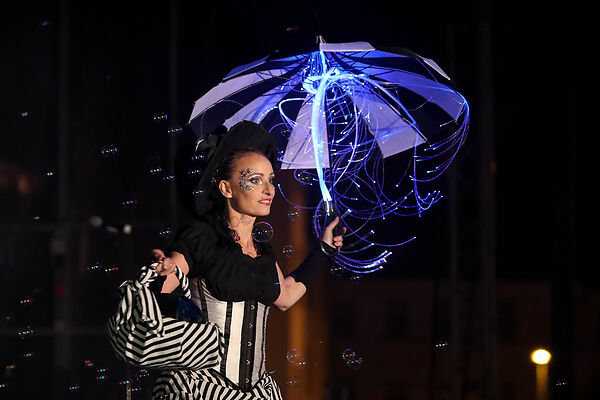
x=254 y=180
x=272 y=181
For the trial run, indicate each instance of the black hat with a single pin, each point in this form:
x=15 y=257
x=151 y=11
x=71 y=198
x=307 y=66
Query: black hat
x=196 y=165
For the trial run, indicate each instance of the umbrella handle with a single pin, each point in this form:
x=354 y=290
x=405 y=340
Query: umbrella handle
x=338 y=230
x=330 y=215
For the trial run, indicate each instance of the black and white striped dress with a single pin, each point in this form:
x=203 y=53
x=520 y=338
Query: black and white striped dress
x=234 y=291
x=241 y=373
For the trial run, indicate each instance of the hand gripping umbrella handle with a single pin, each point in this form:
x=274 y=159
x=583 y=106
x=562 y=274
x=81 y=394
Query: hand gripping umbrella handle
x=330 y=215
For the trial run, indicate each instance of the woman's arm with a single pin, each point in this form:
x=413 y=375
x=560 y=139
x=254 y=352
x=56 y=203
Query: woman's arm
x=290 y=291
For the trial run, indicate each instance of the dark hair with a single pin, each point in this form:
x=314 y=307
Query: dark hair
x=224 y=171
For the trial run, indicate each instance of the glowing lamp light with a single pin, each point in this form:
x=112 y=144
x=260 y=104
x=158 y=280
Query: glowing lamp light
x=540 y=356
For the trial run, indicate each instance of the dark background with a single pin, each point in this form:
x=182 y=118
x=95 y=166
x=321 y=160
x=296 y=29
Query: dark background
x=123 y=65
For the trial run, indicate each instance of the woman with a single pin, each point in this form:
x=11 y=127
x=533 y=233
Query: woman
x=234 y=279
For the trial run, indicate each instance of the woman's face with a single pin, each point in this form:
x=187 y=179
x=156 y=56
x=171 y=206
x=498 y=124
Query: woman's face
x=250 y=189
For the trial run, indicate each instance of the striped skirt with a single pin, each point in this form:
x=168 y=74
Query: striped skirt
x=207 y=384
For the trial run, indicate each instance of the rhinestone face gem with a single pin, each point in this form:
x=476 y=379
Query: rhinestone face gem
x=244 y=174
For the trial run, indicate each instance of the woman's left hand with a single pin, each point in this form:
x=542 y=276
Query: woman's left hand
x=166 y=266
x=327 y=236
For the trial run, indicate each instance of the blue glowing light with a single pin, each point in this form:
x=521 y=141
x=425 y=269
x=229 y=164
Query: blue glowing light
x=338 y=114
x=349 y=165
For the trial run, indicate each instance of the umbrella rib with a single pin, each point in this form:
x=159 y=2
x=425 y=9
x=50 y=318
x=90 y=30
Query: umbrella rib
x=382 y=90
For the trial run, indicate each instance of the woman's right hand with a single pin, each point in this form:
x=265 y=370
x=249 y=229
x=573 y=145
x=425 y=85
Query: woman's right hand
x=166 y=265
x=327 y=235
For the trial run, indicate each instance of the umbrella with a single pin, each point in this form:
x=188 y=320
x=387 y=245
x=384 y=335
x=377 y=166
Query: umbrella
x=336 y=108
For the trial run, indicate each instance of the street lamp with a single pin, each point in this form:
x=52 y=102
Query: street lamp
x=541 y=358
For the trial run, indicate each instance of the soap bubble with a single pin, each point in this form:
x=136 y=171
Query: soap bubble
x=292 y=381
x=293 y=213
x=28 y=332
x=165 y=232
x=336 y=270
x=160 y=117
x=101 y=374
x=142 y=373
x=262 y=232
x=561 y=383
x=97 y=266
x=288 y=250
x=111 y=269
x=156 y=170
x=348 y=353
x=441 y=345
x=295 y=358
x=108 y=150
x=303 y=176
x=26 y=301
x=200 y=156
x=9 y=370
x=129 y=203
x=292 y=355
x=352 y=360
x=194 y=172
x=285 y=132
x=174 y=131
